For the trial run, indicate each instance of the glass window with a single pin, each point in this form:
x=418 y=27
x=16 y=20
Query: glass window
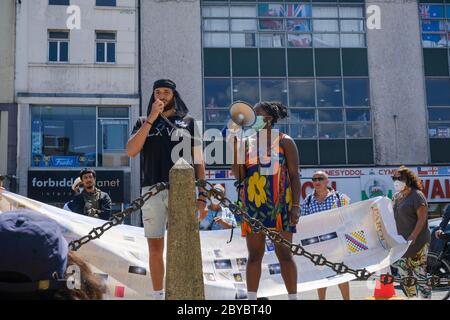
x=246 y=90
x=353 y=40
x=216 y=39
x=215 y=11
x=325 y=26
x=112 y=139
x=351 y=12
x=331 y=131
x=433 y=25
x=271 y=24
x=245 y=62
x=354 y=62
x=271 y=40
x=105 y=3
x=308 y=152
x=297 y=116
x=270 y=10
x=330 y=115
x=434 y=40
x=326 y=40
x=243 y=11
x=301 y=93
x=319 y=11
x=59 y=2
x=332 y=151
x=298 y=25
x=438 y=92
x=274 y=90
x=272 y=62
x=298 y=10
x=58 y=46
x=63 y=136
x=113 y=112
x=440 y=150
x=356 y=92
x=243 y=40
x=360 y=151
x=304 y=131
x=216 y=116
x=439 y=130
x=215 y=25
x=217 y=93
x=358 y=115
x=361 y=130
x=106 y=47
x=300 y=62
x=436 y=62
x=328 y=62
x=352 y=25
x=427 y=11
x=439 y=114
x=243 y=25
x=329 y=92
x=216 y=62
x=296 y=40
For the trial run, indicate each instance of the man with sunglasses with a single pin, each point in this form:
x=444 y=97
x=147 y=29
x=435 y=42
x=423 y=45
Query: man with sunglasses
x=321 y=199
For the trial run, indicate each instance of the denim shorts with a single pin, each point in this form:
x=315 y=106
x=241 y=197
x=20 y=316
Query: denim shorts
x=155 y=213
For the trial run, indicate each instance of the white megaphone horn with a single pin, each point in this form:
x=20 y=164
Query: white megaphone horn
x=242 y=115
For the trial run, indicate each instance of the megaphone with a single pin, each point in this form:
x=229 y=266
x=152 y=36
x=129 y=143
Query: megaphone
x=242 y=115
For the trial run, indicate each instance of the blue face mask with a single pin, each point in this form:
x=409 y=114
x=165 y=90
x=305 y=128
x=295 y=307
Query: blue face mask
x=259 y=123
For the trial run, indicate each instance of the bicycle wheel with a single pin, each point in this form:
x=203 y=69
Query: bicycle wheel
x=441 y=268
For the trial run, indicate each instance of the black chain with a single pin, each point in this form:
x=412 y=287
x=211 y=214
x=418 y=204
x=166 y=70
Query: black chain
x=317 y=259
x=118 y=218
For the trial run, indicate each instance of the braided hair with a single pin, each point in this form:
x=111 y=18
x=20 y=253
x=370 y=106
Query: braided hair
x=275 y=109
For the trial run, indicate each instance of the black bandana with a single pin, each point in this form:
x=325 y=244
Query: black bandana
x=164 y=83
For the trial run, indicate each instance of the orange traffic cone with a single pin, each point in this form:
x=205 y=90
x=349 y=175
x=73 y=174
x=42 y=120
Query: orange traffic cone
x=384 y=292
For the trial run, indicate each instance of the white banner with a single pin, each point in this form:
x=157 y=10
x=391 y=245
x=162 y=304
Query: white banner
x=362 y=235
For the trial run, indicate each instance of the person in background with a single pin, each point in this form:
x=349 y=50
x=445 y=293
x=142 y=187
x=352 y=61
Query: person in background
x=91 y=201
x=77 y=188
x=217 y=217
x=321 y=199
x=34 y=260
x=411 y=217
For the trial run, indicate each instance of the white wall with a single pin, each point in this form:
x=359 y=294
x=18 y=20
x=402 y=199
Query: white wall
x=7 y=36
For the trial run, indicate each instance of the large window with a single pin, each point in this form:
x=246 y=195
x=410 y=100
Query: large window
x=311 y=56
x=74 y=136
x=58 y=46
x=105 y=47
x=435 y=25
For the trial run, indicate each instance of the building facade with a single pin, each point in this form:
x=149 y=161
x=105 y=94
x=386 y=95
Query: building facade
x=366 y=82
x=77 y=92
x=8 y=108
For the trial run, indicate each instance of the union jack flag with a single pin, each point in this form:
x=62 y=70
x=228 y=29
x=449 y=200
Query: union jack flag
x=431 y=11
x=297 y=10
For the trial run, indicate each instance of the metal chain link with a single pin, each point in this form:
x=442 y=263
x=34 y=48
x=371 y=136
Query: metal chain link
x=118 y=218
x=317 y=259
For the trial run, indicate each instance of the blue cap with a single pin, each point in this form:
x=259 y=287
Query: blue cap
x=32 y=244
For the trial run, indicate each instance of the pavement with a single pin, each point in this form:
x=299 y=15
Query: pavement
x=359 y=290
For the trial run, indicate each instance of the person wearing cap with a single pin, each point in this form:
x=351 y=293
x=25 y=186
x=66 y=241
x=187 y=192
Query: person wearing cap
x=325 y=198
x=217 y=217
x=91 y=201
x=34 y=260
x=155 y=137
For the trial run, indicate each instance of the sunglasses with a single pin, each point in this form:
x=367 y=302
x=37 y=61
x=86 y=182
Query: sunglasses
x=318 y=179
x=395 y=178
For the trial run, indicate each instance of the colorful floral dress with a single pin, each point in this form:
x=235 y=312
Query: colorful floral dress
x=267 y=192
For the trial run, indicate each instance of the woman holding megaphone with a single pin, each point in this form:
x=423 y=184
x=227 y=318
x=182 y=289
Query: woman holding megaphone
x=271 y=191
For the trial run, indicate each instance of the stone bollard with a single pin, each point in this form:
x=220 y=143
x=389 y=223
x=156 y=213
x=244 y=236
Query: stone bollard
x=184 y=276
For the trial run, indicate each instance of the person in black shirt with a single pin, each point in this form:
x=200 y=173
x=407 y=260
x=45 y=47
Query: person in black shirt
x=152 y=135
x=91 y=201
